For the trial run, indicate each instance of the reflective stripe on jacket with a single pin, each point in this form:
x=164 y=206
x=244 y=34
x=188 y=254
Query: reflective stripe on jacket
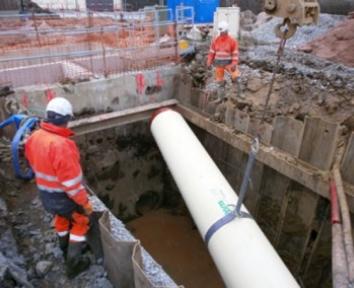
x=223 y=49
x=55 y=161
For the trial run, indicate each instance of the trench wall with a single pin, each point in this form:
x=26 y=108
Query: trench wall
x=127 y=172
x=115 y=93
x=125 y=168
x=295 y=219
x=121 y=164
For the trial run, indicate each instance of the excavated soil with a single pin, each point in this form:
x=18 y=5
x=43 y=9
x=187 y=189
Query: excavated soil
x=336 y=45
x=305 y=85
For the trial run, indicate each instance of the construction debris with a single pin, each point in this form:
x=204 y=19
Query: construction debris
x=264 y=33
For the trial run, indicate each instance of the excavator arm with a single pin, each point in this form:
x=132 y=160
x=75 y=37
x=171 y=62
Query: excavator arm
x=295 y=13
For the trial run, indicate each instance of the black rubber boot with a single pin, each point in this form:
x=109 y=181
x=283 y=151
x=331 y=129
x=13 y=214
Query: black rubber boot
x=63 y=244
x=76 y=262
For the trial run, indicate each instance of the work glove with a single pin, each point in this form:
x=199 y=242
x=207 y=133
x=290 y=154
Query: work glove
x=231 y=67
x=88 y=209
x=209 y=63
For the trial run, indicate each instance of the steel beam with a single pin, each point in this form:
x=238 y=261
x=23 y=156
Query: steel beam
x=284 y=163
x=117 y=118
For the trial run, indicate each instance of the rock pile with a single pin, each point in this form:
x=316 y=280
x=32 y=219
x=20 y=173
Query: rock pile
x=335 y=45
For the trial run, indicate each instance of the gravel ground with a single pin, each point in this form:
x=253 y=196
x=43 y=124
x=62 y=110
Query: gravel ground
x=264 y=34
x=29 y=253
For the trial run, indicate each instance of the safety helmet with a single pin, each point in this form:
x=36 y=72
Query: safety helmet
x=59 y=111
x=223 y=26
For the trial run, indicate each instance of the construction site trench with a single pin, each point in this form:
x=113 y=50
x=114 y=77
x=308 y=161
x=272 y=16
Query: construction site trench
x=308 y=127
x=128 y=173
x=126 y=170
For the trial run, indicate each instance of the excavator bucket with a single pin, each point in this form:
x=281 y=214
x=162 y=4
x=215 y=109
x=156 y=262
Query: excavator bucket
x=299 y=12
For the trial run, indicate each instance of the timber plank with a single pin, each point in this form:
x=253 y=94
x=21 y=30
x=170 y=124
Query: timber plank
x=347 y=169
x=319 y=266
x=273 y=200
x=319 y=142
x=117 y=118
x=308 y=212
x=241 y=121
x=264 y=131
x=216 y=150
x=230 y=115
x=293 y=129
x=254 y=189
x=241 y=124
x=300 y=227
x=272 y=191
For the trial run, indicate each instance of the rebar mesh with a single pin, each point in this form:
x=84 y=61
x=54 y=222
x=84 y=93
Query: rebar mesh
x=75 y=45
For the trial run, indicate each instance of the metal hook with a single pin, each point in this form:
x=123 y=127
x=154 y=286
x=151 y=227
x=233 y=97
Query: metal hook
x=285 y=30
x=255 y=145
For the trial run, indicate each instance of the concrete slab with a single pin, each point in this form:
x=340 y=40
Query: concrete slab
x=115 y=93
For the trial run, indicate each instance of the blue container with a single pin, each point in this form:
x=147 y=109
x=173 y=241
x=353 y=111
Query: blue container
x=203 y=9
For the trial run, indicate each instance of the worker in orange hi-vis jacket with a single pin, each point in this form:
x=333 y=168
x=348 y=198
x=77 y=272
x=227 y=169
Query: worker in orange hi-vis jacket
x=55 y=160
x=223 y=54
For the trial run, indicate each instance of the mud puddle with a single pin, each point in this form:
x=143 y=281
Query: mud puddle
x=175 y=243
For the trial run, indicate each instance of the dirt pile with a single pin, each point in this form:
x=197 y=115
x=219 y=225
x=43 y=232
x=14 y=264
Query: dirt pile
x=305 y=85
x=335 y=45
x=263 y=30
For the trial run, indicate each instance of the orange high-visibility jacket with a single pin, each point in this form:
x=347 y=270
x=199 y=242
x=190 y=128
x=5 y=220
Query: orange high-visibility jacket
x=55 y=160
x=223 y=51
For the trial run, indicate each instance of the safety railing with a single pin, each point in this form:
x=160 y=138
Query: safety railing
x=48 y=48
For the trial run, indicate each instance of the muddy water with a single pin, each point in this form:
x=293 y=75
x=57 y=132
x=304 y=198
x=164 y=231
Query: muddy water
x=175 y=243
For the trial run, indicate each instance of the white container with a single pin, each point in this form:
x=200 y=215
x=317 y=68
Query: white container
x=241 y=252
x=232 y=16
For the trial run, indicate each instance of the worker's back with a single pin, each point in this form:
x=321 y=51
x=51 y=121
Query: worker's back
x=46 y=148
x=55 y=161
x=225 y=42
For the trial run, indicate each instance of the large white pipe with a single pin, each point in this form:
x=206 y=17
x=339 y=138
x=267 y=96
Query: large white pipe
x=241 y=252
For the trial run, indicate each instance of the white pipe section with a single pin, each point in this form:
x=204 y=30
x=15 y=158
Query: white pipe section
x=241 y=252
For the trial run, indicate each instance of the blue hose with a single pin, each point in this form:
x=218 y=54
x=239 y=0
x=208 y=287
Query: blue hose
x=14 y=119
x=28 y=125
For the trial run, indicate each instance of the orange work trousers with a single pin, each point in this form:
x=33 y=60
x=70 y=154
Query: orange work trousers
x=77 y=225
x=220 y=73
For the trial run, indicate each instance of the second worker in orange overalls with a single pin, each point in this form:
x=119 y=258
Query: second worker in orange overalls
x=223 y=54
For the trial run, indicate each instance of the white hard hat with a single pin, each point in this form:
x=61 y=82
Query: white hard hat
x=60 y=106
x=223 y=26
